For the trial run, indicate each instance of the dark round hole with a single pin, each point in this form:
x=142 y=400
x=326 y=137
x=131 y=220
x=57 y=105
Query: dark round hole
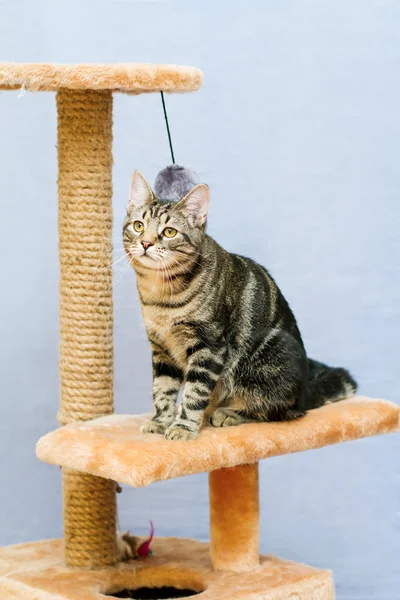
x=156 y=593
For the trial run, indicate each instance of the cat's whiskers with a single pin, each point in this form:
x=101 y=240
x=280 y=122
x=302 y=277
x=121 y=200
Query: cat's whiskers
x=195 y=262
x=162 y=279
x=168 y=278
x=122 y=273
x=100 y=269
x=180 y=284
x=156 y=279
x=119 y=260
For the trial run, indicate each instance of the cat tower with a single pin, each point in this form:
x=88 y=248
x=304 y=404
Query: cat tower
x=96 y=448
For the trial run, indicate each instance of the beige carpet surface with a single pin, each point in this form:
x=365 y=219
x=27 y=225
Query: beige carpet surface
x=129 y=78
x=35 y=571
x=114 y=448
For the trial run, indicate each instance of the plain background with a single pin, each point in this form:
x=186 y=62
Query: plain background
x=297 y=131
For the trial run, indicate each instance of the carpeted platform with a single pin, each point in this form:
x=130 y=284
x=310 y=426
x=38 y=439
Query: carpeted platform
x=113 y=447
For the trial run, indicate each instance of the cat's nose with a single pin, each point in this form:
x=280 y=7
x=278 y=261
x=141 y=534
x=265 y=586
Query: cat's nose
x=147 y=244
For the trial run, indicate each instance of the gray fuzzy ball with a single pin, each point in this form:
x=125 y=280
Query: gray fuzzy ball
x=174 y=182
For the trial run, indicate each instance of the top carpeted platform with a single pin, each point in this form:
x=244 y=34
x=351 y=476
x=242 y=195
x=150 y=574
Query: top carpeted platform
x=113 y=447
x=129 y=78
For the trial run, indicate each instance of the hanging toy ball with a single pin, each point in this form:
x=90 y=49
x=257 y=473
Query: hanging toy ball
x=174 y=182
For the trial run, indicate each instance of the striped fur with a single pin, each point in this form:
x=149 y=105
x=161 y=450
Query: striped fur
x=218 y=326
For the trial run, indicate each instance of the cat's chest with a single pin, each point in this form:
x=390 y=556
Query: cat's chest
x=162 y=325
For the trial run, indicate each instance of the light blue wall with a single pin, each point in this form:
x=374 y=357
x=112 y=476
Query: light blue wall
x=297 y=130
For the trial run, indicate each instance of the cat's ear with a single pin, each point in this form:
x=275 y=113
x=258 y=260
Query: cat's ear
x=195 y=204
x=140 y=192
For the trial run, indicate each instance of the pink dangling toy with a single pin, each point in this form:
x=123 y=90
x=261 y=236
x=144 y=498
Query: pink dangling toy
x=144 y=549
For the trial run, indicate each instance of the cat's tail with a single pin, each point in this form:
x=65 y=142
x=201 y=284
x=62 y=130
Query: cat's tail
x=328 y=384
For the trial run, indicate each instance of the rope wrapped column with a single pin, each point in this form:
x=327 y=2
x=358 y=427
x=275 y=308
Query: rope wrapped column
x=234 y=518
x=86 y=310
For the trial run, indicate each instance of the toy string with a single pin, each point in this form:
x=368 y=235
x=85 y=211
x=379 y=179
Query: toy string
x=167 y=125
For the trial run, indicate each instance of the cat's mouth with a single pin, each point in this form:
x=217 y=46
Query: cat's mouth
x=147 y=256
x=151 y=259
x=149 y=253
x=143 y=255
x=148 y=260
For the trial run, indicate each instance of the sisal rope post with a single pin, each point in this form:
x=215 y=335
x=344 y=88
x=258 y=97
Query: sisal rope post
x=234 y=518
x=86 y=310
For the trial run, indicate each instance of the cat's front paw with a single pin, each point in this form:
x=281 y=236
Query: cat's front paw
x=180 y=432
x=153 y=427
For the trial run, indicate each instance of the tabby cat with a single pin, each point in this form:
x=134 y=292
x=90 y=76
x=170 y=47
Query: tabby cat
x=218 y=325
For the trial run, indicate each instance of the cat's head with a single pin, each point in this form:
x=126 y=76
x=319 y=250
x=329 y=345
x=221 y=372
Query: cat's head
x=162 y=232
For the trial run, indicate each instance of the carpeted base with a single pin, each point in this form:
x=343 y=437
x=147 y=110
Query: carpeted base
x=35 y=571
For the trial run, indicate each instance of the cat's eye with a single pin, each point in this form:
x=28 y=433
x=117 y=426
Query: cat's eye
x=170 y=232
x=138 y=226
